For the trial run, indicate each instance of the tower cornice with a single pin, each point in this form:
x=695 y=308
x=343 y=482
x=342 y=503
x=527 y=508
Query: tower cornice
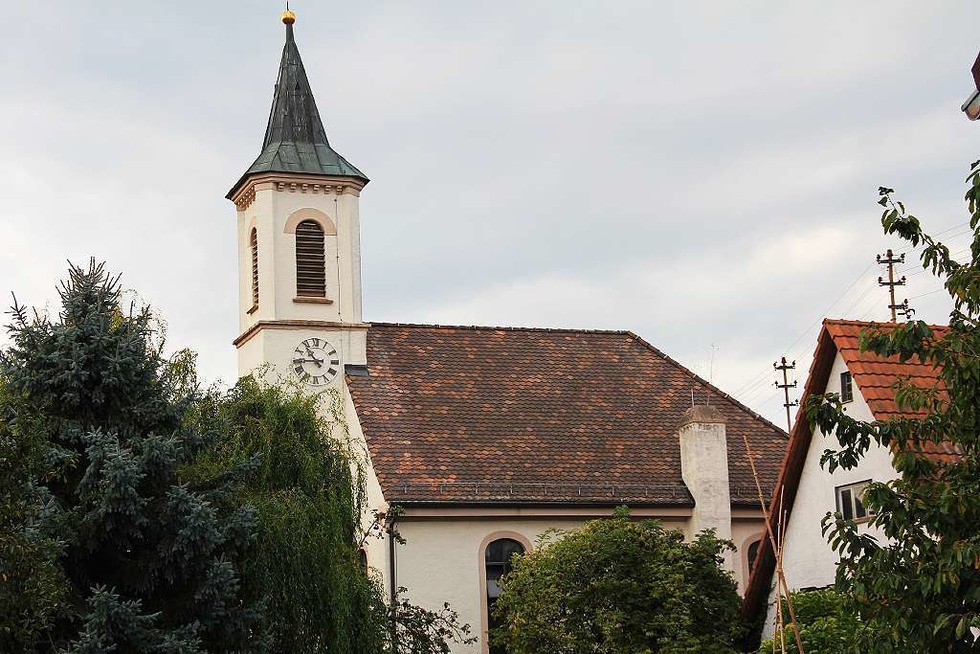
x=293 y=325
x=313 y=184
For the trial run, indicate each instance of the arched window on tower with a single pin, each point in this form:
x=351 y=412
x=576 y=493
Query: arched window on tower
x=498 y=555
x=311 y=275
x=253 y=242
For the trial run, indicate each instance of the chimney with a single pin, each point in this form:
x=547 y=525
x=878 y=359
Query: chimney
x=704 y=467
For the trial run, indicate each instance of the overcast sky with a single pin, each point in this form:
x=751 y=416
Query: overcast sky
x=701 y=173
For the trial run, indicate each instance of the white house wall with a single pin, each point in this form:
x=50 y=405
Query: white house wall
x=808 y=560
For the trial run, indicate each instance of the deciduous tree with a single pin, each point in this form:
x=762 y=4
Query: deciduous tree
x=304 y=565
x=921 y=582
x=620 y=586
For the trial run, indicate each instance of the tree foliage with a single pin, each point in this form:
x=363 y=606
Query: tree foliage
x=619 y=586
x=148 y=562
x=423 y=631
x=828 y=622
x=33 y=589
x=304 y=564
x=921 y=583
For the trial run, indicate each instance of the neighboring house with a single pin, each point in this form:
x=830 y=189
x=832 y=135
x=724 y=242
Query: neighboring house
x=805 y=492
x=485 y=437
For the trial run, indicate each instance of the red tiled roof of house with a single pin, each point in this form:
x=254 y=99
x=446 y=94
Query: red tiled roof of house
x=512 y=415
x=876 y=376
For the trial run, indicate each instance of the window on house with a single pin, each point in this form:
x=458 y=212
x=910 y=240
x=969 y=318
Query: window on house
x=311 y=276
x=846 y=387
x=253 y=242
x=849 y=502
x=498 y=556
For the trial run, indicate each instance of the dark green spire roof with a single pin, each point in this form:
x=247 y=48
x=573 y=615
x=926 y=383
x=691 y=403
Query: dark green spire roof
x=295 y=141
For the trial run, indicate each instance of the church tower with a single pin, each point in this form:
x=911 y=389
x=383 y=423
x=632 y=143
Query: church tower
x=299 y=242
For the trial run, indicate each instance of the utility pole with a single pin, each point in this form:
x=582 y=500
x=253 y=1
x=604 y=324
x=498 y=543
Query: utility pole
x=781 y=365
x=889 y=259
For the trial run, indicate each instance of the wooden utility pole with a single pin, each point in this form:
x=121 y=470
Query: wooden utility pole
x=889 y=259
x=781 y=365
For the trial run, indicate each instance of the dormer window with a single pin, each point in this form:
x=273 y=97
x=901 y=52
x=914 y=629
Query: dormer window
x=311 y=276
x=846 y=387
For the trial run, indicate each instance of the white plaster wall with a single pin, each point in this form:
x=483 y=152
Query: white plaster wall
x=808 y=560
x=276 y=347
x=268 y=213
x=375 y=547
x=744 y=531
x=443 y=561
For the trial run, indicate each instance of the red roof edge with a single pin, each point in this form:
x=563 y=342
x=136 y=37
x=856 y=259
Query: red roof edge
x=756 y=596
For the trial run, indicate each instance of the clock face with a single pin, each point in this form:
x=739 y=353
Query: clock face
x=316 y=362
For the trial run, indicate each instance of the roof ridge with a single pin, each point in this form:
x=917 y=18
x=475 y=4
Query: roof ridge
x=556 y=330
x=691 y=373
x=868 y=323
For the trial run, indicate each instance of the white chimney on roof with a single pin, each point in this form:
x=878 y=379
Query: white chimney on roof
x=704 y=468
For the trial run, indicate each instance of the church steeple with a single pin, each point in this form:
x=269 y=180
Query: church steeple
x=295 y=140
x=299 y=252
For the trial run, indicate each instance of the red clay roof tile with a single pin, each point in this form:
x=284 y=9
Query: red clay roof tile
x=877 y=376
x=471 y=414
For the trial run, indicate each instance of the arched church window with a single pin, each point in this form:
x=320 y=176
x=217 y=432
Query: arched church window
x=311 y=276
x=253 y=242
x=498 y=556
x=753 y=553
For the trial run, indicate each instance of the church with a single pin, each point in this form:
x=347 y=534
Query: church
x=483 y=437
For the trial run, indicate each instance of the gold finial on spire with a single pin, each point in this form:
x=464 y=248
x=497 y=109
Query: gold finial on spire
x=288 y=17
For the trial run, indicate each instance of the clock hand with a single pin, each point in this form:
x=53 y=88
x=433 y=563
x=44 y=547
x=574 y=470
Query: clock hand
x=318 y=362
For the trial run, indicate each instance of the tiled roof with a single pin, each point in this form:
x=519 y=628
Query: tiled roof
x=511 y=415
x=876 y=376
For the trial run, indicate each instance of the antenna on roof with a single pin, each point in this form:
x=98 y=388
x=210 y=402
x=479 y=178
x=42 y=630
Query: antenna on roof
x=889 y=259
x=781 y=365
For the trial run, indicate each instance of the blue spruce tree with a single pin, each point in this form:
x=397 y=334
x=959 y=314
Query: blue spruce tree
x=151 y=564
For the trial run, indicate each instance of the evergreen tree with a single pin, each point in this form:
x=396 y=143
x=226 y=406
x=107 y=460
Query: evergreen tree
x=149 y=561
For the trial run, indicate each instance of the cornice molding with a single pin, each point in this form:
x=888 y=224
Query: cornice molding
x=297 y=324
x=312 y=184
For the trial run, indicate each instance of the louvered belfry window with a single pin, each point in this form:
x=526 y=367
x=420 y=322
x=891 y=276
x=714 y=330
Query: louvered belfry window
x=253 y=240
x=311 y=276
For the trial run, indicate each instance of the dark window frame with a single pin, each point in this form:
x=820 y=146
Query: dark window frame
x=847 y=498
x=846 y=387
x=495 y=566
